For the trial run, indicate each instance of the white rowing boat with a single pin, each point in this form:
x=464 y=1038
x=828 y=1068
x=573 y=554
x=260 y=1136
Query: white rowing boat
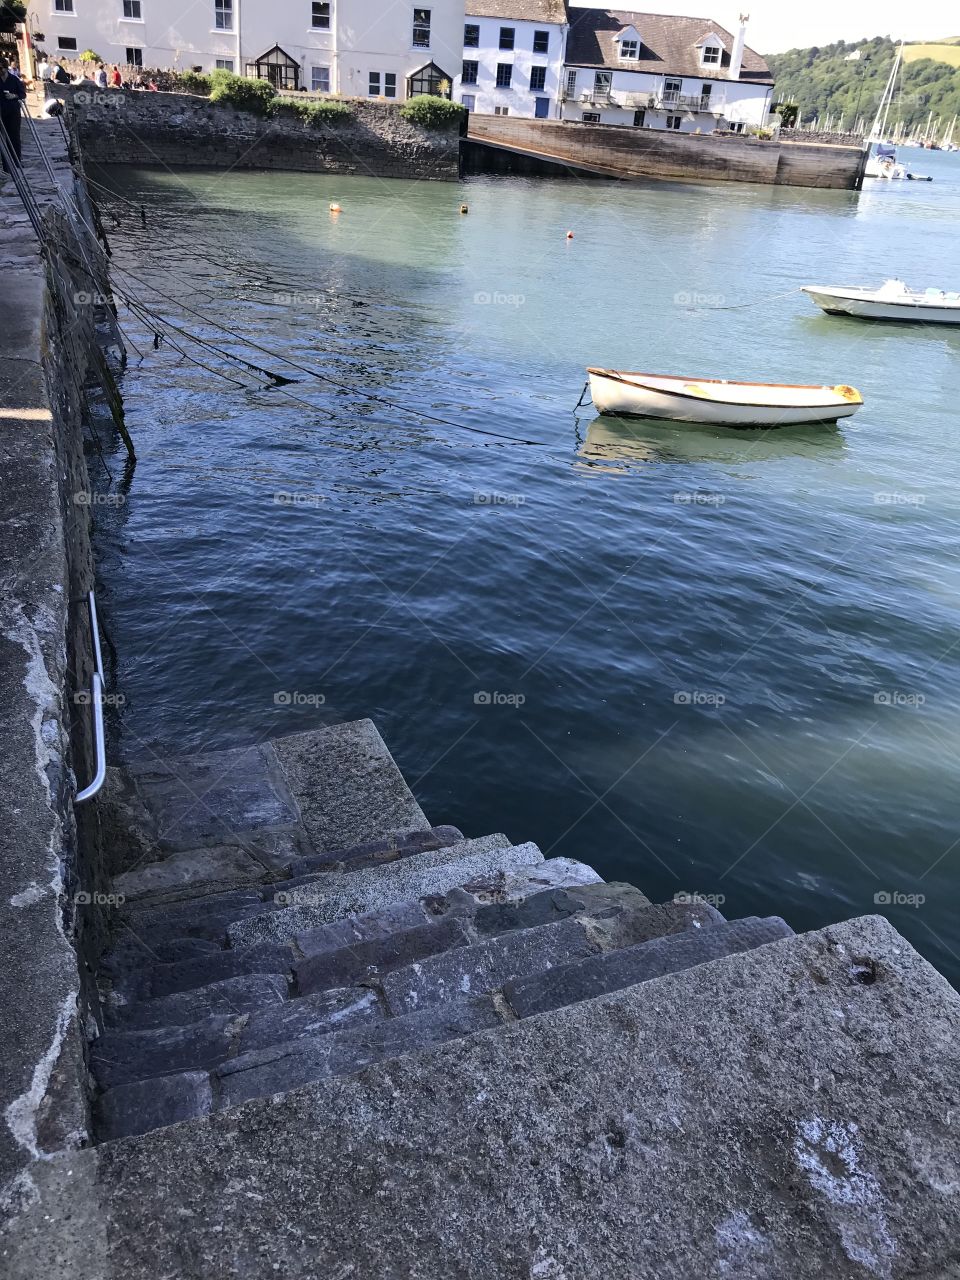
x=892 y=301
x=718 y=401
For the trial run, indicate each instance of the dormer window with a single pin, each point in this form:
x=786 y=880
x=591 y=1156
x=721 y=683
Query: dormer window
x=711 y=55
x=629 y=50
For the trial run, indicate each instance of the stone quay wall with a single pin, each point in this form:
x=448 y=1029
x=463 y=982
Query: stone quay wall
x=179 y=130
x=656 y=153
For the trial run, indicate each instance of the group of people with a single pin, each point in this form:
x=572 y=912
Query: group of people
x=52 y=71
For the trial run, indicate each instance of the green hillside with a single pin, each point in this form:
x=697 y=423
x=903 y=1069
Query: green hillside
x=822 y=82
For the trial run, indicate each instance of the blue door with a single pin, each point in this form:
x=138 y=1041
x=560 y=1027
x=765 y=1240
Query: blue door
x=542 y=109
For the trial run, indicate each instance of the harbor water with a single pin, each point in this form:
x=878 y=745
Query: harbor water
x=703 y=661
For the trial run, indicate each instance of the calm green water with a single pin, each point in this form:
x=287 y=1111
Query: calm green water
x=716 y=662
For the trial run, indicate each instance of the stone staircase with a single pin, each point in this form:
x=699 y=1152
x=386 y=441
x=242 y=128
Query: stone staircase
x=337 y=1040
x=291 y=916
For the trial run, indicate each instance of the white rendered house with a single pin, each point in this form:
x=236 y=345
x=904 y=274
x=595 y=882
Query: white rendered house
x=512 y=57
x=359 y=48
x=651 y=71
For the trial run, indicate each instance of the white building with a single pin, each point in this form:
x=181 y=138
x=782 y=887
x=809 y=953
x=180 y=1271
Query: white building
x=658 y=72
x=359 y=48
x=513 y=53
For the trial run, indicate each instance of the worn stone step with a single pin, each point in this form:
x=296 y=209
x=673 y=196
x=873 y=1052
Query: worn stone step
x=143 y=1105
x=245 y=994
x=357 y=894
x=614 y=970
x=376 y=852
x=314 y=887
x=119 y=1057
x=259 y=957
x=515 y=885
x=361 y=961
x=192 y=873
x=628 y=927
x=309 y=1017
x=289 y=1066
x=203 y=918
x=485 y=966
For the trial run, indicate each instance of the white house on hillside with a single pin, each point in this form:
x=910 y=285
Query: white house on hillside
x=657 y=72
x=360 y=48
x=513 y=54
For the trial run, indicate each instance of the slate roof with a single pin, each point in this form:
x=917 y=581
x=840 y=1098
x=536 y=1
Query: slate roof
x=669 y=44
x=519 y=10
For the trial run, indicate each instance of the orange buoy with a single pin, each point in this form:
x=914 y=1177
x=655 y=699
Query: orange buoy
x=335 y=208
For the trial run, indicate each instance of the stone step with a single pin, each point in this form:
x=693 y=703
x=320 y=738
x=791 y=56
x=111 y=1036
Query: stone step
x=248 y=993
x=203 y=918
x=193 y=872
x=186 y=975
x=370 y=890
x=313 y=887
x=613 y=971
x=485 y=966
x=376 y=852
x=143 y=1105
x=366 y=961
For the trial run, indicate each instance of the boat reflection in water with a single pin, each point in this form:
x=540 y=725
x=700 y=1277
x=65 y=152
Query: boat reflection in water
x=619 y=445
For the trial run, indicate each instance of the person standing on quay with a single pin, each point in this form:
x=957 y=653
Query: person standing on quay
x=116 y=79
x=12 y=92
x=100 y=79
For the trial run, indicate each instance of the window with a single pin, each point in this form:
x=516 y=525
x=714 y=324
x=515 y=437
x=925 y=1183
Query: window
x=469 y=73
x=507 y=37
x=471 y=36
x=469 y=100
x=504 y=74
x=223 y=15
x=132 y=11
x=602 y=84
x=705 y=90
x=501 y=111
x=591 y=117
x=571 y=89
x=736 y=127
x=538 y=78
x=421 y=28
x=63 y=6
x=541 y=42
x=374 y=89
x=320 y=16
x=673 y=122
x=389 y=84
x=134 y=57
x=711 y=55
x=638 y=118
x=224 y=64
x=630 y=49
x=67 y=43
x=671 y=90
x=320 y=79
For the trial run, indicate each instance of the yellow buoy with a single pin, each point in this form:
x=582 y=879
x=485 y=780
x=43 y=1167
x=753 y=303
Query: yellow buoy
x=335 y=208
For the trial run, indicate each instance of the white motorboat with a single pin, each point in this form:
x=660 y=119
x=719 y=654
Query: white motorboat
x=883 y=163
x=718 y=401
x=892 y=301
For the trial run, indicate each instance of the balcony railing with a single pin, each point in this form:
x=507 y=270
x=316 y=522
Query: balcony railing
x=671 y=101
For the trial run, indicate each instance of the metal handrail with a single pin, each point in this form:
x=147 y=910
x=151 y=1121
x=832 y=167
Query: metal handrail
x=96 y=701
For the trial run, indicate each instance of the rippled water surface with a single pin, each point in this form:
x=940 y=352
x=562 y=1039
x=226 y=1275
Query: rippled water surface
x=701 y=660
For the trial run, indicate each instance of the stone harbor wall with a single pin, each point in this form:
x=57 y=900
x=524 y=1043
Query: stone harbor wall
x=180 y=130
x=657 y=153
x=55 y=316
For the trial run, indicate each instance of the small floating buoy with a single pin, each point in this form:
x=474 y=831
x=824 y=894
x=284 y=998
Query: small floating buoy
x=335 y=208
x=569 y=235
x=464 y=208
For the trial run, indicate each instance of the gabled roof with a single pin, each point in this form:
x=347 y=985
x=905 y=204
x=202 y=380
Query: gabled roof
x=551 y=11
x=670 y=45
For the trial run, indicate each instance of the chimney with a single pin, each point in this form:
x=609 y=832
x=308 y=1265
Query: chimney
x=736 y=57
